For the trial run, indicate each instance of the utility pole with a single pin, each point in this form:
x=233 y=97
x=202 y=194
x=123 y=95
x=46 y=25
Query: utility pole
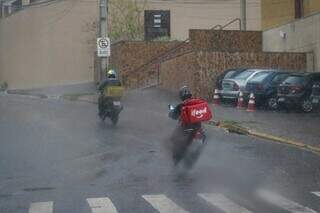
x=243 y=14
x=103 y=34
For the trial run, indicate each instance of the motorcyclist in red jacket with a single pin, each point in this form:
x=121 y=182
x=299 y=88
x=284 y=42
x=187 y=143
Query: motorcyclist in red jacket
x=181 y=138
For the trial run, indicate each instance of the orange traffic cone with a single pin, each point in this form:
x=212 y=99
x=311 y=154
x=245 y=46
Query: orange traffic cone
x=251 y=104
x=240 y=104
x=216 y=98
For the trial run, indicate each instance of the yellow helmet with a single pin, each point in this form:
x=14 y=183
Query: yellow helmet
x=111 y=74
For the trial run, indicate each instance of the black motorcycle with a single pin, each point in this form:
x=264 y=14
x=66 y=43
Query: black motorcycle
x=110 y=108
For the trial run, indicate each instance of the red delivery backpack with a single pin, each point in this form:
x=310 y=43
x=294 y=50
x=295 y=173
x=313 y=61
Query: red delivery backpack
x=195 y=111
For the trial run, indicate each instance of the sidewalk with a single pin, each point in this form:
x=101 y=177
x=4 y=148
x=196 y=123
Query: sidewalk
x=300 y=127
x=59 y=91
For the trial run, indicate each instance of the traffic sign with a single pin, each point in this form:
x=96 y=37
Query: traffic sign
x=103 y=47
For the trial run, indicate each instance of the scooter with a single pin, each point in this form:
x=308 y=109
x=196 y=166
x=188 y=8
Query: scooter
x=188 y=152
x=112 y=110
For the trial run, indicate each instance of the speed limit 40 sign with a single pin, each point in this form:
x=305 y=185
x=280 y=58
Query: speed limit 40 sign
x=103 y=47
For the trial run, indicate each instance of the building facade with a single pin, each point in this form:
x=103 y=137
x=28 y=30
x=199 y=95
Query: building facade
x=275 y=13
x=204 y=14
x=292 y=26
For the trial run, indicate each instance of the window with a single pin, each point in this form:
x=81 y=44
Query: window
x=295 y=79
x=279 y=78
x=244 y=75
x=316 y=78
x=298 y=6
x=229 y=74
x=259 y=77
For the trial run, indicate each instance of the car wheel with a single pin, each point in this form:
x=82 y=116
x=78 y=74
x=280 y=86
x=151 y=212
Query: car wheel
x=306 y=105
x=272 y=103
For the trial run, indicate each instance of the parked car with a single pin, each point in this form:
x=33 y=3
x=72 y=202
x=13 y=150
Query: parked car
x=232 y=87
x=230 y=73
x=315 y=95
x=264 y=86
x=295 y=91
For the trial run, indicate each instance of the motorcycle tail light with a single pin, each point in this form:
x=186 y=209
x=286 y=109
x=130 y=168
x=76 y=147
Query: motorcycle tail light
x=198 y=135
x=296 y=89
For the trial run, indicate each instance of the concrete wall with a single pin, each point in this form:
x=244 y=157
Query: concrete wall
x=310 y=6
x=204 y=14
x=278 y=12
x=48 y=45
x=301 y=36
x=275 y=13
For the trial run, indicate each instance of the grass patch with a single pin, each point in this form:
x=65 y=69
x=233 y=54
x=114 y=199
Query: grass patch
x=234 y=127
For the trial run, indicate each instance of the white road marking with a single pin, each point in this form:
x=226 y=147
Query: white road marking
x=316 y=193
x=284 y=203
x=223 y=203
x=41 y=207
x=163 y=204
x=101 y=205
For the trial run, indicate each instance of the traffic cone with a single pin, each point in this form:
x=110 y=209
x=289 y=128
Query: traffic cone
x=240 y=104
x=216 y=98
x=251 y=104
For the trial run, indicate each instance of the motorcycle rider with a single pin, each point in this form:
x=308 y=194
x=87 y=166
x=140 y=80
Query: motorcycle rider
x=181 y=138
x=103 y=100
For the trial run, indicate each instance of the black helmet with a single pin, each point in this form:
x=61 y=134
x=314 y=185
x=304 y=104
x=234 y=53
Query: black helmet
x=185 y=93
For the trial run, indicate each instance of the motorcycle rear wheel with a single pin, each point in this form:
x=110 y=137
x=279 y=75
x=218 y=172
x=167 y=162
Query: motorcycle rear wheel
x=114 y=119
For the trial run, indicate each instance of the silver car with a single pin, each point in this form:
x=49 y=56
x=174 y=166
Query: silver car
x=232 y=87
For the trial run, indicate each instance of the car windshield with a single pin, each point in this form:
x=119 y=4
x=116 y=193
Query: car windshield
x=244 y=75
x=259 y=77
x=229 y=74
x=294 y=80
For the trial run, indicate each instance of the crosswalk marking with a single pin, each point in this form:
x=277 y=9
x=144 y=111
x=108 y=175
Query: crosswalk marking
x=284 y=203
x=41 y=207
x=223 y=203
x=101 y=205
x=163 y=204
x=316 y=193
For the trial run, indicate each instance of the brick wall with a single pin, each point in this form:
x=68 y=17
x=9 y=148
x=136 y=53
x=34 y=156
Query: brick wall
x=227 y=40
x=131 y=59
x=179 y=71
x=198 y=62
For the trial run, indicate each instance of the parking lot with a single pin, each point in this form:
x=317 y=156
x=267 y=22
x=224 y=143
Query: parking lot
x=270 y=89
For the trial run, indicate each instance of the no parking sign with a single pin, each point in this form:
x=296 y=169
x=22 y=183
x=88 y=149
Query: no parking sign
x=103 y=47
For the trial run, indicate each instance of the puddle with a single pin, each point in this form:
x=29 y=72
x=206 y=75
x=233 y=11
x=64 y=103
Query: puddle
x=5 y=196
x=38 y=189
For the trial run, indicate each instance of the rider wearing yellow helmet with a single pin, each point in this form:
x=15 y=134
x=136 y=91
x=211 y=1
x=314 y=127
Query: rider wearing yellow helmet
x=111 y=80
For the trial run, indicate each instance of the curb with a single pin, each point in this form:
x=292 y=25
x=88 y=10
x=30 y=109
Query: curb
x=233 y=128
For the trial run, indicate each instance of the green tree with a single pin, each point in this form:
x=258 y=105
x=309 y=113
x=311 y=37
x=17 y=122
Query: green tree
x=126 y=19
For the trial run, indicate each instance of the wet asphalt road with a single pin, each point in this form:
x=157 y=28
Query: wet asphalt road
x=59 y=151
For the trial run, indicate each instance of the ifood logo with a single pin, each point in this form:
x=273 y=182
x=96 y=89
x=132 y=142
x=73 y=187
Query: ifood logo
x=199 y=113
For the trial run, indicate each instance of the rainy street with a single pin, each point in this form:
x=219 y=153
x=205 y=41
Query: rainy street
x=57 y=156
